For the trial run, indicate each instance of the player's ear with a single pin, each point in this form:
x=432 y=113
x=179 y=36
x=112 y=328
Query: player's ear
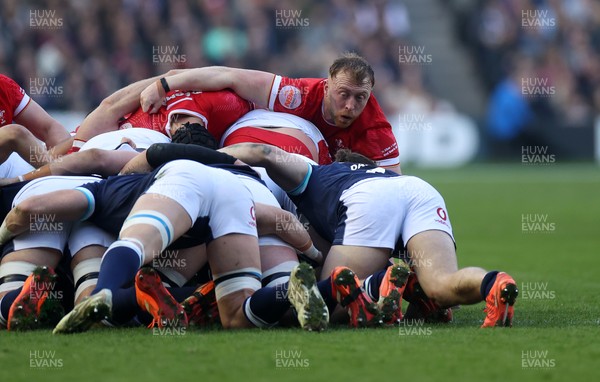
x=326 y=86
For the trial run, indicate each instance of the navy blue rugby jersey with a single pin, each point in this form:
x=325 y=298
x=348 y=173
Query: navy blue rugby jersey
x=115 y=196
x=320 y=202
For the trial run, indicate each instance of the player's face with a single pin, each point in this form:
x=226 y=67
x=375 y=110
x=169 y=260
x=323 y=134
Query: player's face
x=345 y=99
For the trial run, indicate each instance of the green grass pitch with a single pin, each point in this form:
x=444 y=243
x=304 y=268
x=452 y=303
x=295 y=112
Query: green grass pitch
x=538 y=223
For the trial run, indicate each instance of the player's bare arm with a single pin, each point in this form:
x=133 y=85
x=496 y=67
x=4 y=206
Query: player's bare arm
x=42 y=125
x=284 y=168
x=93 y=161
x=253 y=85
x=18 y=139
x=106 y=116
x=66 y=205
x=269 y=222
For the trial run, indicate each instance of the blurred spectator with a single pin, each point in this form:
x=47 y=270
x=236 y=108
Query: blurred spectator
x=91 y=48
x=562 y=40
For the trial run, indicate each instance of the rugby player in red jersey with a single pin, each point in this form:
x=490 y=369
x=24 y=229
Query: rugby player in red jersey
x=21 y=118
x=342 y=105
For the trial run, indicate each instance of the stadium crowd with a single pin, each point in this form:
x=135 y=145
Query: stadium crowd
x=553 y=42
x=101 y=46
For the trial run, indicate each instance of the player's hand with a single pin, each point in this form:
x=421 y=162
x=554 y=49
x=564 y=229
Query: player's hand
x=151 y=99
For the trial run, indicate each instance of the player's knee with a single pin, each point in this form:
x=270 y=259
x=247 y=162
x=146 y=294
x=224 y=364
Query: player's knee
x=436 y=290
x=231 y=290
x=15 y=133
x=27 y=207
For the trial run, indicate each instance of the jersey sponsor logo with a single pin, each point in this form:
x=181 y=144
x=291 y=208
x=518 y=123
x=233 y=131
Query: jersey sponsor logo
x=443 y=215
x=253 y=216
x=389 y=150
x=290 y=97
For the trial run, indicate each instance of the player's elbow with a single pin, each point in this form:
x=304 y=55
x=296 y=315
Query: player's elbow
x=98 y=158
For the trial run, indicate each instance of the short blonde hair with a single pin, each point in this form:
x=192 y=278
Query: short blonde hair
x=354 y=64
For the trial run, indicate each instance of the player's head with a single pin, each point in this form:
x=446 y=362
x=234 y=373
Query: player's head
x=195 y=134
x=345 y=155
x=347 y=89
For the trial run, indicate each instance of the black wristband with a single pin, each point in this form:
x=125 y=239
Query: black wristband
x=165 y=85
x=160 y=153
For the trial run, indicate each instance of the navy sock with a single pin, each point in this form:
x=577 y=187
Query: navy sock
x=6 y=302
x=372 y=284
x=267 y=305
x=324 y=287
x=119 y=266
x=125 y=305
x=487 y=283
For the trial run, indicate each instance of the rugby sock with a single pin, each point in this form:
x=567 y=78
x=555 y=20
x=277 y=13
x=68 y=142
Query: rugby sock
x=267 y=305
x=5 y=304
x=119 y=266
x=487 y=283
x=372 y=283
x=326 y=291
x=125 y=305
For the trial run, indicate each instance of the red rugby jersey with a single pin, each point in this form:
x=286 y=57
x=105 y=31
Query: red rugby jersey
x=13 y=100
x=218 y=110
x=370 y=134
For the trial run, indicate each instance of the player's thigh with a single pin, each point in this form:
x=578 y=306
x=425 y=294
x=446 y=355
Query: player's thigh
x=179 y=264
x=156 y=221
x=364 y=261
x=433 y=257
x=232 y=252
x=272 y=256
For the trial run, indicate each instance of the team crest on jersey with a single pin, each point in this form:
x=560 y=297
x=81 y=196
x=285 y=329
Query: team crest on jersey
x=290 y=97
